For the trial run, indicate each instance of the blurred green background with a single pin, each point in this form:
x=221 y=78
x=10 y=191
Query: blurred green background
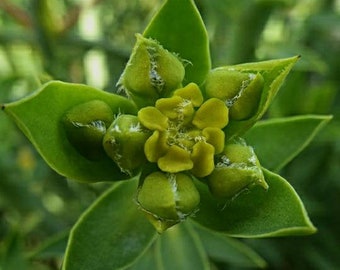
x=90 y=41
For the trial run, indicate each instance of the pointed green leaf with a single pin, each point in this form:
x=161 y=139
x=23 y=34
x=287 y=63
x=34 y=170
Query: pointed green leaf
x=278 y=141
x=222 y=248
x=257 y=213
x=147 y=261
x=111 y=234
x=274 y=73
x=180 y=248
x=39 y=116
x=178 y=26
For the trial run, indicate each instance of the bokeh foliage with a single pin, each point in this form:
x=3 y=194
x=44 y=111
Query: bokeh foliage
x=90 y=42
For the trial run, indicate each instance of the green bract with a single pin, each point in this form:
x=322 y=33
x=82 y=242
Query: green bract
x=179 y=135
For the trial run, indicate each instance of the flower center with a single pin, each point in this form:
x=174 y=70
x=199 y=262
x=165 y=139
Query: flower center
x=180 y=131
x=187 y=132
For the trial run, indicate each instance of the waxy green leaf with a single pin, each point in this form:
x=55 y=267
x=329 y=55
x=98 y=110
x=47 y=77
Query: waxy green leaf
x=222 y=248
x=146 y=262
x=180 y=248
x=274 y=73
x=40 y=116
x=178 y=26
x=112 y=234
x=257 y=213
x=278 y=141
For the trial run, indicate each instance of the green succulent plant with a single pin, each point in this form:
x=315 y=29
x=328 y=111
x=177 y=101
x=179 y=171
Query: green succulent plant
x=183 y=143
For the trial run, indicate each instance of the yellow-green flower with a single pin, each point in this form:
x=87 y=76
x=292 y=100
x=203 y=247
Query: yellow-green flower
x=187 y=132
x=179 y=133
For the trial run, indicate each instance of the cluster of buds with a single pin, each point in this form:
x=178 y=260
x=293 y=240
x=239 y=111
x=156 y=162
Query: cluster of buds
x=179 y=130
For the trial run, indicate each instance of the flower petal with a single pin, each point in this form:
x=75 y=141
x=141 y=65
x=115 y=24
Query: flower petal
x=168 y=106
x=215 y=137
x=203 y=157
x=155 y=146
x=212 y=113
x=176 y=108
x=153 y=119
x=176 y=159
x=191 y=92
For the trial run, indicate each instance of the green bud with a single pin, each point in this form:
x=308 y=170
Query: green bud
x=240 y=153
x=248 y=102
x=167 y=199
x=230 y=181
x=85 y=126
x=124 y=142
x=152 y=72
x=224 y=84
x=241 y=91
x=237 y=169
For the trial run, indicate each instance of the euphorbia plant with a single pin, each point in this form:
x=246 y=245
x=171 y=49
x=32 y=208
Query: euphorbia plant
x=184 y=143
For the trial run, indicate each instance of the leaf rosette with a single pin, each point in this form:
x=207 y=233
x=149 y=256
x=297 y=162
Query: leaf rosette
x=178 y=130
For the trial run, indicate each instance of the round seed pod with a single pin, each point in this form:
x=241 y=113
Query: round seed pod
x=224 y=84
x=239 y=152
x=248 y=102
x=238 y=169
x=228 y=182
x=167 y=198
x=241 y=91
x=85 y=126
x=152 y=72
x=124 y=142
